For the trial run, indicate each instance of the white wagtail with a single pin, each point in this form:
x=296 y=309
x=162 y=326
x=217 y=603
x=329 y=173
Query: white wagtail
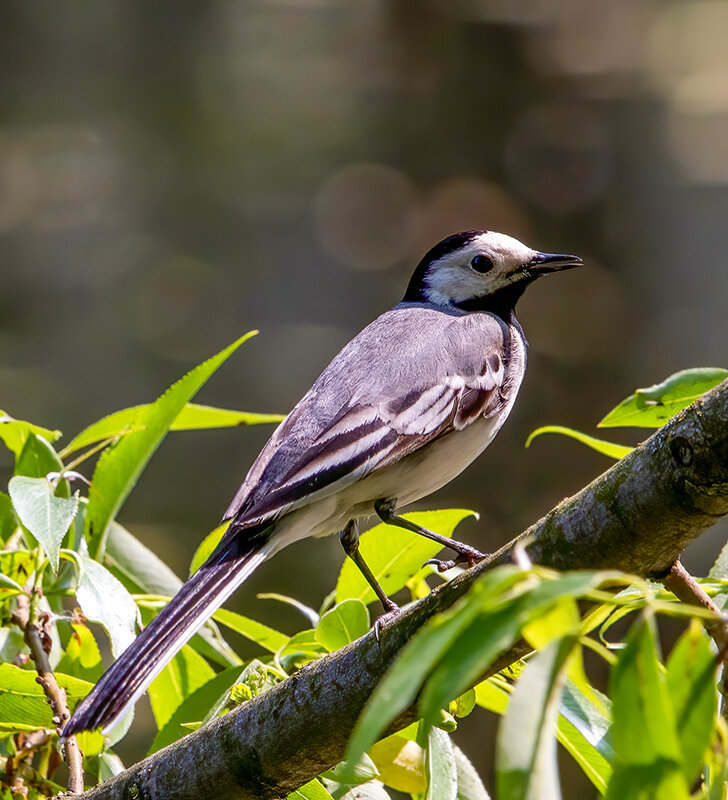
x=397 y=414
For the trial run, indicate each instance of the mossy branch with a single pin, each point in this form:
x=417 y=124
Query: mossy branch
x=637 y=517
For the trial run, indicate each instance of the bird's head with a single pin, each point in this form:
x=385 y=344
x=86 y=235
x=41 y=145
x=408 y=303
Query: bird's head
x=481 y=270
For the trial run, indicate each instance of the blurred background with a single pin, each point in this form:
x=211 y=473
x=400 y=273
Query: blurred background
x=174 y=174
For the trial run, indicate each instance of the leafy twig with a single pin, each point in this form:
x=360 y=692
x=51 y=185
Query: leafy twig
x=38 y=641
x=682 y=584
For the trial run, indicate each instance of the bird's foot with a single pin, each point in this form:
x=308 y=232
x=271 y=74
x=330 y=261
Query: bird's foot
x=392 y=612
x=469 y=556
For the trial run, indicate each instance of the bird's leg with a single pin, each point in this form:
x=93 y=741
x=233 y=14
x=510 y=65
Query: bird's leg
x=466 y=554
x=349 y=538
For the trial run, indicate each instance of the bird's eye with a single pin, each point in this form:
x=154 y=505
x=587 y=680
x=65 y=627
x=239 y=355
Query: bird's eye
x=482 y=264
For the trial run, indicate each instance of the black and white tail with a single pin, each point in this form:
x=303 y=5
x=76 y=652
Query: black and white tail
x=198 y=599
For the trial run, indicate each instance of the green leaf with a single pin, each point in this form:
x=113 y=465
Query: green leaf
x=15 y=432
x=442 y=779
x=184 y=674
x=526 y=767
x=9 y=587
x=648 y=762
x=192 y=417
x=142 y=570
x=610 y=449
x=470 y=786
x=120 y=465
x=8 y=520
x=344 y=623
x=195 y=707
x=401 y=683
x=654 y=406
x=592 y=763
x=103 y=599
x=82 y=656
x=691 y=684
x=140 y=565
x=401 y=763
x=37 y=459
x=353 y=774
x=109 y=766
x=394 y=555
x=313 y=790
x=491 y=695
x=493 y=631
x=45 y=516
x=207 y=545
x=268 y=638
x=372 y=790
x=584 y=729
x=312 y=617
x=23 y=704
x=301 y=648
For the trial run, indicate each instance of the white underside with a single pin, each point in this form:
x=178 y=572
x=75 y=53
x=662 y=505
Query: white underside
x=404 y=482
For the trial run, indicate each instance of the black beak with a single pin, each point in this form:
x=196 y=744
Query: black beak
x=543 y=263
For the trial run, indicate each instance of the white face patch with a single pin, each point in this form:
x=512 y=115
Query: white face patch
x=451 y=279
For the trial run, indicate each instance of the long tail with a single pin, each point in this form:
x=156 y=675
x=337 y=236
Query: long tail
x=198 y=599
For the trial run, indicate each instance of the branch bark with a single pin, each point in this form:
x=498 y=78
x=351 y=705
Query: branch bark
x=637 y=517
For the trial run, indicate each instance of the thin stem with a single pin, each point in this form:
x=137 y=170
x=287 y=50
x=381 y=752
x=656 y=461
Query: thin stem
x=599 y=649
x=90 y=452
x=27 y=618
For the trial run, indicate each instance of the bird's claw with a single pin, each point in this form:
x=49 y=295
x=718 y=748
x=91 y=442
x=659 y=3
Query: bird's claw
x=471 y=557
x=392 y=612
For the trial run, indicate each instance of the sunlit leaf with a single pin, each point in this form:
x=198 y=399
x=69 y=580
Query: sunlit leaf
x=145 y=573
x=184 y=674
x=691 y=684
x=344 y=623
x=401 y=764
x=302 y=647
x=442 y=779
x=15 y=432
x=653 y=406
x=394 y=555
x=23 y=704
x=489 y=694
x=8 y=520
x=81 y=657
x=268 y=638
x=308 y=613
x=120 y=465
x=195 y=707
x=353 y=774
x=46 y=516
x=373 y=790
x=206 y=546
x=313 y=790
x=9 y=587
x=401 y=683
x=38 y=459
x=103 y=599
x=492 y=632
x=610 y=449
x=192 y=417
x=526 y=767
x=584 y=729
x=470 y=785
x=648 y=761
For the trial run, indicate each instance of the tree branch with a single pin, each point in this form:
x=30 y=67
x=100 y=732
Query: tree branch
x=637 y=517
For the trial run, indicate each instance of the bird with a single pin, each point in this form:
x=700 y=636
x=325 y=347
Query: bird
x=402 y=409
